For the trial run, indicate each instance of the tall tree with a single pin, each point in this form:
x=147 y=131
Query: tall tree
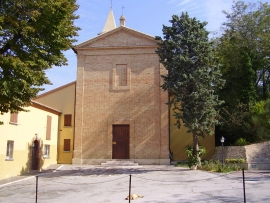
x=247 y=32
x=33 y=34
x=193 y=75
x=244 y=51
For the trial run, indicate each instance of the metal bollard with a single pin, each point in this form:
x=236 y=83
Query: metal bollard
x=244 y=188
x=129 y=188
x=36 y=188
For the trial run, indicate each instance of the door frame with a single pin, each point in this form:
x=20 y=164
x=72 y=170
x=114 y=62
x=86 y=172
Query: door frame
x=35 y=155
x=129 y=122
x=126 y=154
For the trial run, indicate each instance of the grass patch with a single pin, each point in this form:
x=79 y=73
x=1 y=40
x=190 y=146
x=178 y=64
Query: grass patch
x=216 y=166
x=182 y=164
x=213 y=166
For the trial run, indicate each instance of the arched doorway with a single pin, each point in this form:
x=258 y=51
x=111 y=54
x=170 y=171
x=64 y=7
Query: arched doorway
x=35 y=155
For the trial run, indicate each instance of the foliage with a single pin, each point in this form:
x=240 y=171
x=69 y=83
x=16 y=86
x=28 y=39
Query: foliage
x=181 y=164
x=217 y=166
x=194 y=160
x=244 y=50
x=234 y=121
x=235 y=161
x=193 y=75
x=241 y=142
x=1 y=123
x=259 y=123
x=33 y=35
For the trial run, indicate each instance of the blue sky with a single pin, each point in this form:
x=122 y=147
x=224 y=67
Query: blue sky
x=146 y=16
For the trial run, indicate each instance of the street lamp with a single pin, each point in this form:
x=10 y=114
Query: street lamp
x=222 y=141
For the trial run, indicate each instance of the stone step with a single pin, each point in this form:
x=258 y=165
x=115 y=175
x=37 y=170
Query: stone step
x=119 y=163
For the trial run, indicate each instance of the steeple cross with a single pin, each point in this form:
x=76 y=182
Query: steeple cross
x=123 y=10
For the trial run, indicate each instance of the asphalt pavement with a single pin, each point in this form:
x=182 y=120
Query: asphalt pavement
x=96 y=184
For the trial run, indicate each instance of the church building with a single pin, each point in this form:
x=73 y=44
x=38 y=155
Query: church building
x=120 y=107
x=116 y=109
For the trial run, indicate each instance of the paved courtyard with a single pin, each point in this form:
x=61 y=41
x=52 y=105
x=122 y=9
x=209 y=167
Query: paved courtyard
x=95 y=184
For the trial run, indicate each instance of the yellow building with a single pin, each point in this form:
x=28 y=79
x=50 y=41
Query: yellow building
x=28 y=140
x=179 y=139
x=63 y=99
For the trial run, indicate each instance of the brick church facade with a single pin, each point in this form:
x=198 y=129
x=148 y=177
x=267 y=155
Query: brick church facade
x=120 y=110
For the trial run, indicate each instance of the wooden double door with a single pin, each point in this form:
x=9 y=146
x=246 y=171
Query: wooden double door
x=120 y=142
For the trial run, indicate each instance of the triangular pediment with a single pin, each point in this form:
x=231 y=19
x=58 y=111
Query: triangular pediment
x=119 y=37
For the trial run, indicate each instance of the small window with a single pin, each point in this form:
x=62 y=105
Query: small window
x=46 y=151
x=10 y=146
x=67 y=119
x=67 y=145
x=48 y=131
x=13 y=118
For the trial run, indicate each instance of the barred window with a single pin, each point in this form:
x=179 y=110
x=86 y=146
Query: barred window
x=46 y=151
x=10 y=147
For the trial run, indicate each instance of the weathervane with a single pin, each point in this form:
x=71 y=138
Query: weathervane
x=111 y=4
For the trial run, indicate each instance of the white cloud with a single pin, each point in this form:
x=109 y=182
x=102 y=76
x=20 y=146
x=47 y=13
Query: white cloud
x=189 y=8
x=184 y=2
x=171 y=1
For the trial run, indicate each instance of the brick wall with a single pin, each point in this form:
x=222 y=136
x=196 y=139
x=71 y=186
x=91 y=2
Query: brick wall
x=104 y=98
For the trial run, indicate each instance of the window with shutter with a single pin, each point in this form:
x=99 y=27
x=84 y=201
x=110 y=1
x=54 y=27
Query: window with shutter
x=67 y=119
x=67 y=145
x=48 y=131
x=13 y=118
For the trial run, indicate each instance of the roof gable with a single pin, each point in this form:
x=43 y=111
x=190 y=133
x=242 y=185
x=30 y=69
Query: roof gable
x=119 y=37
x=55 y=90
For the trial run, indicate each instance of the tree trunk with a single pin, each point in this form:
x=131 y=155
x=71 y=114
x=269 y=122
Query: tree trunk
x=196 y=149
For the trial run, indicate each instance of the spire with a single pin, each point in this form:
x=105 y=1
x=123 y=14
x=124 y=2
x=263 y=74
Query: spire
x=110 y=23
x=122 y=18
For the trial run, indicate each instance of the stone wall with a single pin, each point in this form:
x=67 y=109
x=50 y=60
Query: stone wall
x=257 y=156
x=230 y=152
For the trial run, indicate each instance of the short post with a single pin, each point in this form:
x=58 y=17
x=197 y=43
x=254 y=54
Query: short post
x=129 y=188
x=222 y=141
x=244 y=187
x=36 y=188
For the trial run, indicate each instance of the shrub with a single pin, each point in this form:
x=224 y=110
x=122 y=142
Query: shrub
x=229 y=161
x=241 y=142
x=192 y=159
x=217 y=166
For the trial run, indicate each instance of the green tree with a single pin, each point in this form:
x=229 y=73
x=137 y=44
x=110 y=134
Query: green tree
x=33 y=34
x=244 y=50
x=193 y=75
x=259 y=122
